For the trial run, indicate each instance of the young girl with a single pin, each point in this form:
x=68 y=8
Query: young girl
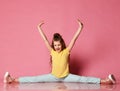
x=60 y=63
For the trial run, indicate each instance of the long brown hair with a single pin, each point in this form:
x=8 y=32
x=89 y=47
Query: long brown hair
x=58 y=37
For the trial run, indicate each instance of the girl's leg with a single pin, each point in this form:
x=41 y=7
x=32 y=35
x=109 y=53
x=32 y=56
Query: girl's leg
x=82 y=79
x=76 y=78
x=30 y=79
x=40 y=78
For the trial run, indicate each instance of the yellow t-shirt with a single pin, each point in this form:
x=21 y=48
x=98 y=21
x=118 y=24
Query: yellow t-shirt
x=60 y=65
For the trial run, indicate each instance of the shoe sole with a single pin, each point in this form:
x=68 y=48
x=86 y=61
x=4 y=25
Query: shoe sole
x=112 y=78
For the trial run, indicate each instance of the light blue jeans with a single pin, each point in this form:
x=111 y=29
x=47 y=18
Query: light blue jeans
x=52 y=78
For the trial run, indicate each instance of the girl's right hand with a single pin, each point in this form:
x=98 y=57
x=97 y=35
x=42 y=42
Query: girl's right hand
x=41 y=23
x=80 y=23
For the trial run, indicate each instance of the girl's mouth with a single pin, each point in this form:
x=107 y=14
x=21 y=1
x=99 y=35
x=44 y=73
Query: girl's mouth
x=57 y=49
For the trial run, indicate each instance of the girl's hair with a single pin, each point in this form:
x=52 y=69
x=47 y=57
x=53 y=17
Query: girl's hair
x=58 y=37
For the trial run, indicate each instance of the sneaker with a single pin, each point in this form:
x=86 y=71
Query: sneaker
x=112 y=78
x=6 y=77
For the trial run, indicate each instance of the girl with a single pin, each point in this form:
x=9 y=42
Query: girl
x=60 y=63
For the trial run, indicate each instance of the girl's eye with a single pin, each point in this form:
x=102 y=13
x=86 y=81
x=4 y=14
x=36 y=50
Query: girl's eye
x=54 y=45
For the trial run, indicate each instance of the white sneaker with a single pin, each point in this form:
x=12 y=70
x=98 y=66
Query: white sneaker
x=6 y=77
x=112 y=78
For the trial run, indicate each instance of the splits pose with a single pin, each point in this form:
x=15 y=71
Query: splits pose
x=59 y=53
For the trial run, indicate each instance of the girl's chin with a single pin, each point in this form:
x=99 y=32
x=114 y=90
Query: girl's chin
x=58 y=51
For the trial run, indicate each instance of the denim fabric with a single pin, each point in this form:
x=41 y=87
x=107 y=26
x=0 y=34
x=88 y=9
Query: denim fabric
x=52 y=78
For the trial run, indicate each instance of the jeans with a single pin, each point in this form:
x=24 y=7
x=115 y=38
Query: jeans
x=52 y=78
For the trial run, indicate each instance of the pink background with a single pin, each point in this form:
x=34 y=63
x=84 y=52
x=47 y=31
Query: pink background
x=96 y=52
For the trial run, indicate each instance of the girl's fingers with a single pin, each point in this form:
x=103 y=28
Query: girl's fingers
x=80 y=23
x=41 y=23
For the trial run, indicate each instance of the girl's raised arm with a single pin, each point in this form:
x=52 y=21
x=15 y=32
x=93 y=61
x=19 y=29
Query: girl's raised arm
x=44 y=36
x=70 y=46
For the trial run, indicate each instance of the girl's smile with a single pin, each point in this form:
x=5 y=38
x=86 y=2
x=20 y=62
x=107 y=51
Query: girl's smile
x=57 y=46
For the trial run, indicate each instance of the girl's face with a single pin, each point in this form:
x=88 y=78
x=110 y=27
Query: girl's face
x=57 y=46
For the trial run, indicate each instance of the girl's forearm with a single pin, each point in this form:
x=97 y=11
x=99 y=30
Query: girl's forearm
x=42 y=33
x=77 y=33
x=70 y=46
x=44 y=37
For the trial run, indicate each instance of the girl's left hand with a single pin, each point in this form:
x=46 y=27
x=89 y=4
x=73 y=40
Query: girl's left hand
x=80 y=23
x=41 y=23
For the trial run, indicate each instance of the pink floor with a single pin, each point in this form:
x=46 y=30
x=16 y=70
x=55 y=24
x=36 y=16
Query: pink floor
x=58 y=87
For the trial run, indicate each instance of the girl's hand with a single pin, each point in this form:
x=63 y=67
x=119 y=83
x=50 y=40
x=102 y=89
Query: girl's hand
x=41 y=23
x=80 y=23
